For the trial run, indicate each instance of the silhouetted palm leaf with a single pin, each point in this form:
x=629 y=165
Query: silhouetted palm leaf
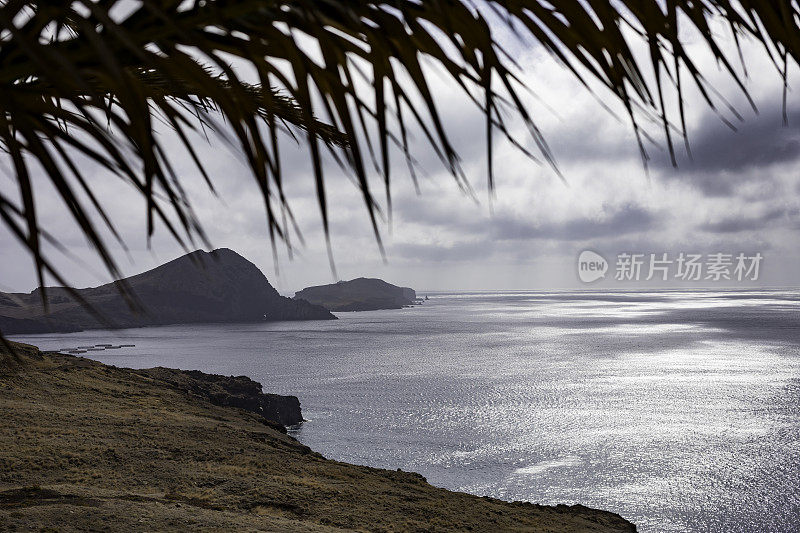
x=92 y=78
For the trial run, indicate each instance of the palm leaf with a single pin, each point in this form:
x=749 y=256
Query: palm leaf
x=95 y=77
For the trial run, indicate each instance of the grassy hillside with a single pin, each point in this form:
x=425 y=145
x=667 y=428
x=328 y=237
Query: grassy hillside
x=88 y=446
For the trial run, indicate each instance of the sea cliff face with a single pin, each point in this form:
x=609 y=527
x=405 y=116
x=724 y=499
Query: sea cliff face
x=220 y=286
x=229 y=391
x=360 y=294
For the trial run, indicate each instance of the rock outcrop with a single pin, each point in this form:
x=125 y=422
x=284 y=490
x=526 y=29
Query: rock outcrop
x=220 y=286
x=231 y=391
x=360 y=294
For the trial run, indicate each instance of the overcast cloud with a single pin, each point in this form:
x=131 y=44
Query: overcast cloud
x=738 y=193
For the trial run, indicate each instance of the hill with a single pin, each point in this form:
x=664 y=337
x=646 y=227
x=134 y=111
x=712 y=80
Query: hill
x=90 y=447
x=360 y=294
x=220 y=286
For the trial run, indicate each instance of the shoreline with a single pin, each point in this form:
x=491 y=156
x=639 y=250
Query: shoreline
x=86 y=445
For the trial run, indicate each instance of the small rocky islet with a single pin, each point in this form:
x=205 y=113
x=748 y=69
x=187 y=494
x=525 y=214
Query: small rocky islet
x=360 y=294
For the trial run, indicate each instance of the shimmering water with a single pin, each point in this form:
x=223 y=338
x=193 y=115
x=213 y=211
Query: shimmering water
x=680 y=411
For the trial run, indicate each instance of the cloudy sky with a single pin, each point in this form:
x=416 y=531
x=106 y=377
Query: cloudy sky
x=738 y=194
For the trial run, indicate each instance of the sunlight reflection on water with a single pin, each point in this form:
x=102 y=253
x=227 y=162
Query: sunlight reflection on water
x=680 y=411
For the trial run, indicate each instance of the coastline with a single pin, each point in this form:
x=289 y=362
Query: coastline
x=87 y=445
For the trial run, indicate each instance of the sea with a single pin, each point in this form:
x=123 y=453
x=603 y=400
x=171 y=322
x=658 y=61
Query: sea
x=678 y=410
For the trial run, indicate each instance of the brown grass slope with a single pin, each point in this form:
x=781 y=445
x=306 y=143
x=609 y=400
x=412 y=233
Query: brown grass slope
x=85 y=446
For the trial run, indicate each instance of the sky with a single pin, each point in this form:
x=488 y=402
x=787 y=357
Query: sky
x=740 y=193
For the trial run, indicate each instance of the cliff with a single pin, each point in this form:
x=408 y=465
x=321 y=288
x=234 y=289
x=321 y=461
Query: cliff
x=230 y=391
x=220 y=286
x=361 y=294
x=89 y=447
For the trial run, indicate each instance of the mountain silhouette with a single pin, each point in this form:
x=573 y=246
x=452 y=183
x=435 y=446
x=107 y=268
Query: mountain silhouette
x=218 y=286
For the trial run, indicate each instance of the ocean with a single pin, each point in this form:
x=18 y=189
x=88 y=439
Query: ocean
x=678 y=410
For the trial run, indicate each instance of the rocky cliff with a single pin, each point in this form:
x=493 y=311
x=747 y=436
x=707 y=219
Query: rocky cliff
x=361 y=294
x=220 y=286
x=230 y=391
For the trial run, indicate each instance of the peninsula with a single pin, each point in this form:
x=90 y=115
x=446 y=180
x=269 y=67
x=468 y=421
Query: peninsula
x=218 y=286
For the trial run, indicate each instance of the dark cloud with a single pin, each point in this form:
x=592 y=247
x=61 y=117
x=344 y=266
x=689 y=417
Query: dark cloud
x=758 y=142
x=736 y=224
x=723 y=159
x=624 y=220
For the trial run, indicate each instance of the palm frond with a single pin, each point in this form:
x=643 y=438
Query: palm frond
x=93 y=78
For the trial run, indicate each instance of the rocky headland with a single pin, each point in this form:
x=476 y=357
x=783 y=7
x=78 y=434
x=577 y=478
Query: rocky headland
x=218 y=286
x=231 y=391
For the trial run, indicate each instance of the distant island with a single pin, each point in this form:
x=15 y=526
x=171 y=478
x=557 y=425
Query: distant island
x=218 y=286
x=360 y=294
